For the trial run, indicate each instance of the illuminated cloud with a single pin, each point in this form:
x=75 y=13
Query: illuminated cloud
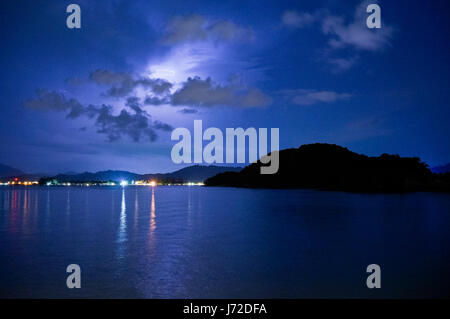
x=356 y=34
x=188 y=111
x=122 y=84
x=198 y=92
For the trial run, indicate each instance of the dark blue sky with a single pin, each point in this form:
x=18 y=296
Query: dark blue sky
x=107 y=96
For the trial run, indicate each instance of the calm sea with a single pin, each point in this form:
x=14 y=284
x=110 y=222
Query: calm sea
x=199 y=242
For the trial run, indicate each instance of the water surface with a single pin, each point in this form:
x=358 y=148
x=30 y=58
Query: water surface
x=199 y=242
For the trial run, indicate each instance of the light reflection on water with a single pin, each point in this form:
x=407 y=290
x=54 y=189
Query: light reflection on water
x=122 y=233
x=199 y=242
x=152 y=214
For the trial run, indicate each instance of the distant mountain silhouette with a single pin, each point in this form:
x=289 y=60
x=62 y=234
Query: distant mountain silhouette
x=332 y=167
x=196 y=173
x=9 y=171
x=70 y=173
x=109 y=175
x=441 y=169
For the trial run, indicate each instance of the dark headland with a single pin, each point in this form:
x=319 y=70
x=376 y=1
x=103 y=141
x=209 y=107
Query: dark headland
x=332 y=167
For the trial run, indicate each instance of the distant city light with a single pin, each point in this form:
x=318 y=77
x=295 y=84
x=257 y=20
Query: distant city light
x=123 y=183
x=17 y=182
x=152 y=183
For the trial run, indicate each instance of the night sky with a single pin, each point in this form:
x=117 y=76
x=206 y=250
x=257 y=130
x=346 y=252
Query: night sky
x=108 y=95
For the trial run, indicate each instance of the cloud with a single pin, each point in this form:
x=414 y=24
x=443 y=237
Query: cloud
x=160 y=86
x=195 y=28
x=134 y=103
x=136 y=124
x=198 y=92
x=153 y=100
x=229 y=31
x=188 y=111
x=162 y=126
x=122 y=84
x=107 y=77
x=356 y=34
x=343 y=35
x=294 y=19
x=54 y=101
x=310 y=97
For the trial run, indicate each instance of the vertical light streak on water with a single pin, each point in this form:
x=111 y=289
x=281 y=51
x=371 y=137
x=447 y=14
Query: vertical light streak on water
x=152 y=225
x=121 y=240
x=25 y=217
x=14 y=211
x=189 y=208
x=152 y=215
x=67 y=208
x=136 y=208
x=122 y=235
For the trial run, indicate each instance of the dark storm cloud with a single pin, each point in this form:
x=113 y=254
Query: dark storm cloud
x=161 y=86
x=188 y=111
x=122 y=84
x=153 y=100
x=135 y=125
x=101 y=76
x=198 y=92
x=54 y=101
x=162 y=126
x=198 y=28
x=134 y=103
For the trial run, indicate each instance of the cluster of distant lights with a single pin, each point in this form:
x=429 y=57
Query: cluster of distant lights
x=20 y=183
x=17 y=182
x=122 y=183
x=154 y=183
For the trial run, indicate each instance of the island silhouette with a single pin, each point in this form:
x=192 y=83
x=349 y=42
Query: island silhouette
x=333 y=167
